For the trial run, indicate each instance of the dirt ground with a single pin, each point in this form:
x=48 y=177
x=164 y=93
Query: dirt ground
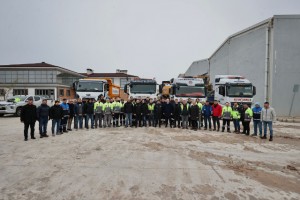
x=149 y=163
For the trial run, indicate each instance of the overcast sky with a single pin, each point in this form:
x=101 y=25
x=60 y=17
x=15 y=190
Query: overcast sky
x=150 y=38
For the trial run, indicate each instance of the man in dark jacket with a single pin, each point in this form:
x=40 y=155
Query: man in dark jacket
x=138 y=113
x=168 y=111
x=88 y=111
x=56 y=113
x=177 y=114
x=28 y=117
x=78 y=114
x=71 y=114
x=194 y=114
x=157 y=114
x=145 y=112
x=128 y=110
x=43 y=116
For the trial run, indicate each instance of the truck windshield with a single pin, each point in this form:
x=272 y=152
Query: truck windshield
x=190 y=91
x=89 y=86
x=143 y=89
x=239 y=91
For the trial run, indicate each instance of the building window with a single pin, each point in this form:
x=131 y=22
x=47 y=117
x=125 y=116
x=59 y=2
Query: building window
x=2 y=92
x=20 y=92
x=123 y=81
x=61 y=92
x=68 y=93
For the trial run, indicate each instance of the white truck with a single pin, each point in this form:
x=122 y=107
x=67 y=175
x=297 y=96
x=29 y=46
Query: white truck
x=92 y=88
x=13 y=105
x=188 y=87
x=233 y=88
x=142 y=88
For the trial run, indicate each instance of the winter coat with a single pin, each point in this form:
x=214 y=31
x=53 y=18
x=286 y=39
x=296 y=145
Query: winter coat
x=177 y=110
x=65 y=108
x=78 y=108
x=145 y=109
x=28 y=114
x=56 y=112
x=206 y=110
x=71 y=108
x=158 y=110
x=268 y=115
x=137 y=109
x=185 y=109
x=88 y=109
x=128 y=107
x=256 y=113
x=168 y=109
x=217 y=110
x=194 y=112
x=42 y=111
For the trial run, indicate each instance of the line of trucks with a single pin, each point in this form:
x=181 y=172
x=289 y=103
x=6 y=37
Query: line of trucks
x=225 y=88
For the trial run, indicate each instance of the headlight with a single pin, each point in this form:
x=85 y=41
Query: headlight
x=12 y=106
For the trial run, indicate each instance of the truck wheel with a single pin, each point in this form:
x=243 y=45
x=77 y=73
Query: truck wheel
x=1 y=115
x=18 y=112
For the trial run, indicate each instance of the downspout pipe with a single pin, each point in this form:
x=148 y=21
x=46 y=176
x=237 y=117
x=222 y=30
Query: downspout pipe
x=267 y=62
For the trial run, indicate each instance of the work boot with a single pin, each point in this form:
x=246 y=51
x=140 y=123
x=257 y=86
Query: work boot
x=253 y=135
x=223 y=129
x=228 y=131
x=271 y=138
x=41 y=136
x=264 y=137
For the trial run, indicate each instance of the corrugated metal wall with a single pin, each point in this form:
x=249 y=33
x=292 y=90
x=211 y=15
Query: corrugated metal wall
x=286 y=64
x=197 y=68
x=243 y=55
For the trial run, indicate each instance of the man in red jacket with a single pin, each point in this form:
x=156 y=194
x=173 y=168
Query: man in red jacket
x=216 y=115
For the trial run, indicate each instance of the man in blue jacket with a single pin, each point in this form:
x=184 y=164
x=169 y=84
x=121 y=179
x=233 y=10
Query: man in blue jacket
x=206 y=113
x=256 y=119
x=64 y=120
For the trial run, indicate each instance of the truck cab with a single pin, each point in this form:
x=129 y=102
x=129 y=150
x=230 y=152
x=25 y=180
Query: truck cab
x=233 y=88
x=188 y=88
x=142 y=88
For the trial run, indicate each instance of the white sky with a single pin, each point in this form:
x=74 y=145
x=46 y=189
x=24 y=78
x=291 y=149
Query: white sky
x=150 y=38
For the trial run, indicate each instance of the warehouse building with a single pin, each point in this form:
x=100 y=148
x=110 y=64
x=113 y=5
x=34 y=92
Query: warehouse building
x=37 y=79
x=268 y=54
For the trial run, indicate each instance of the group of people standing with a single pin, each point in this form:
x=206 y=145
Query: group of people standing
x=145 y=112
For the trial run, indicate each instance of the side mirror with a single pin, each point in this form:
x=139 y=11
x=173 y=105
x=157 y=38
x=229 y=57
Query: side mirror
x=254 y=90
x=75 y=84
x=160 y=88
x=125 y=88
x=222 y=90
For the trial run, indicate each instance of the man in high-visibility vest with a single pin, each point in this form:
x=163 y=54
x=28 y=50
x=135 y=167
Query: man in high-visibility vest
x=107 y=111
x=98 y=109
x=247 y=119
x=226 y=115
x=151 y=113
x=236 y=115
x=117 y=106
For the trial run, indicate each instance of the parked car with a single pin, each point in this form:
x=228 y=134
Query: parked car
x=13 y=105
